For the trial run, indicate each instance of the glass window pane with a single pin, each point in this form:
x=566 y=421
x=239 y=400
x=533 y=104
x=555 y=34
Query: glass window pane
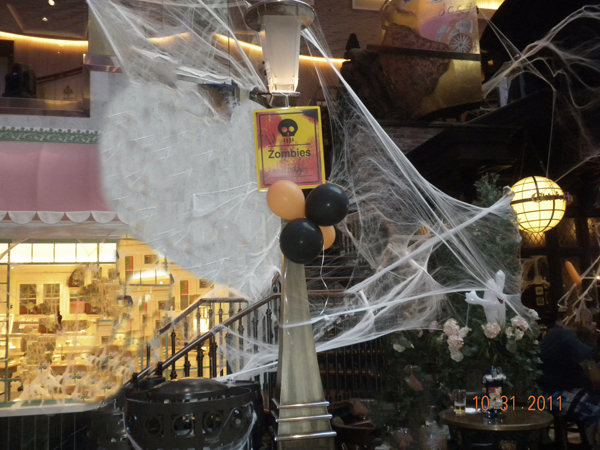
x=3 y=277
x=64 y=253
x=52 y=296
x=3 y=253
x=108 y=252
x=87 y=252
x=20 y=253
x=43 y=253
x=27 y=299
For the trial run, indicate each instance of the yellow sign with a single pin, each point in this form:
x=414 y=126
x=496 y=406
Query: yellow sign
x=289 y=146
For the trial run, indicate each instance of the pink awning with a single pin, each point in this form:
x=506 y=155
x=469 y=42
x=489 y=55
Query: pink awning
x=51 y=183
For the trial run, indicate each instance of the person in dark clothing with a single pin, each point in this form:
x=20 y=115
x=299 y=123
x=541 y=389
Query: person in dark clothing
x=563 y=356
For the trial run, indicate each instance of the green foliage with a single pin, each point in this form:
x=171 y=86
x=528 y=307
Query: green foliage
x=487 y=190
x=516 y=352
x=518 y=358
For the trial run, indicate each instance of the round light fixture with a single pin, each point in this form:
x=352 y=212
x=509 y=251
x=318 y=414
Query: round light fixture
x=539 y=204
x=51 y=2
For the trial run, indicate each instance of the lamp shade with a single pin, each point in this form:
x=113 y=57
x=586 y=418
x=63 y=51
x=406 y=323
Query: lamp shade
x=279 y=23
x=539 y=204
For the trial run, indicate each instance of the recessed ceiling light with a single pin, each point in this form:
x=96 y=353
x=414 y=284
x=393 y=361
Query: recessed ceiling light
x=45 y=19
x=51 y=2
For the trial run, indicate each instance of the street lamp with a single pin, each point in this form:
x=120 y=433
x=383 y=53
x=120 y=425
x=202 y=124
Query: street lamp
x=279 y=23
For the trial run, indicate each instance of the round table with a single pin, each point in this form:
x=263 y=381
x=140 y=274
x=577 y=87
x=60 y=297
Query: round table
x=518 y=429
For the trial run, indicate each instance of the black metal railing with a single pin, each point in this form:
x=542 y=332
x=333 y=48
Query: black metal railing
x=180 y=330
x=250 y=326
x=234 y=324
x=347 y=372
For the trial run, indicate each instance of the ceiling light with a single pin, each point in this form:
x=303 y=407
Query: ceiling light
x=539 y=204
x=51 y=2
x=45 y=19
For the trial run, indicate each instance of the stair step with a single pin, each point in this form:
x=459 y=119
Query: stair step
x=293 y=437
x=322 y=292
x=299 y=405
x=275 y=414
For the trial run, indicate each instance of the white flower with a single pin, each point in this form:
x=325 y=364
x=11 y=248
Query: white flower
x=491 y=330
x=510 y=332
x=519 y=322
x=519 y=334
x=457 y=356
x=451 y=327
x=455 y=343
x=434 y=325
x=463 y=332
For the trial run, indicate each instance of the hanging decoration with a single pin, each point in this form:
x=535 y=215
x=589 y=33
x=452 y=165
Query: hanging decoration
x=539 y=204
x=573 y=273
x=286 y=200
x=181 y=171
x=327 y=205
x=302 y=239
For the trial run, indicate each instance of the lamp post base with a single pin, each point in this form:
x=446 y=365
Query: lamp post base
x=300 y=411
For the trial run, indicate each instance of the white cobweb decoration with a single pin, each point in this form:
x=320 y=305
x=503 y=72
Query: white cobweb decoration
x=183 y=177
x=182 y=172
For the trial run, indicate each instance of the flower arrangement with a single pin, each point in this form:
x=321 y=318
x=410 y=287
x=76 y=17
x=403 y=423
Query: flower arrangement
x=457 y=352
x=457 y=355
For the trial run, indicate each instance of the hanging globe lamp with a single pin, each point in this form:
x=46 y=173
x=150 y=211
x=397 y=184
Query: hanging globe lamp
x=539 y=204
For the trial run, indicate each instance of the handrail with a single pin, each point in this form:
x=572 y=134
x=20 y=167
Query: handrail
x=187 y=311
x=189 y=347
x=59 y=75
x=203 y=301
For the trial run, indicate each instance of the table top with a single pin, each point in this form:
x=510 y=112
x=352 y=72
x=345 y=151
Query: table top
x=517 y=420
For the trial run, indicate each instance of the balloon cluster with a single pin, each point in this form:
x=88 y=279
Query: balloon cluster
x=310 y=229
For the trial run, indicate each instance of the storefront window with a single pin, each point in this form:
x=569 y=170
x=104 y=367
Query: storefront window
x=74 y=301
x=52 y=296
x=27 y=298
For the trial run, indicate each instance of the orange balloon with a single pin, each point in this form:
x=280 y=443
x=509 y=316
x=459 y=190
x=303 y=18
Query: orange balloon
x=328 y=236
x=573 y=273
x=286 y=200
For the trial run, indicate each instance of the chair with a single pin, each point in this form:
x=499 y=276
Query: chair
x=561 y=429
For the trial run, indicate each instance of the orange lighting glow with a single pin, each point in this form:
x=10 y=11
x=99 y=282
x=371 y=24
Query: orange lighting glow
x=37 y=40
x=248 y=46
x=489 y=4
x=165 y=40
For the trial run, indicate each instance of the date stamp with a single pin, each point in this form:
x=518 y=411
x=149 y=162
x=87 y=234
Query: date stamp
x=534 y=403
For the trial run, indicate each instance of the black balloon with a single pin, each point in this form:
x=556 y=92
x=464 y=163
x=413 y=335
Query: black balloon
x=327 y=205
x=301 y=241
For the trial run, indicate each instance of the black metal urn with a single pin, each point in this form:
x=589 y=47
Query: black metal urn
x=190 y=413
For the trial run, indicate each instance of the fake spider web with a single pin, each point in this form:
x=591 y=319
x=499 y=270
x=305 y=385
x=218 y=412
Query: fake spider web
x=179 y=168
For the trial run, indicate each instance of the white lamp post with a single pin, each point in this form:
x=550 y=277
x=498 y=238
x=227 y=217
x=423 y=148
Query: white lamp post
x=303 y=422
x=278 y=23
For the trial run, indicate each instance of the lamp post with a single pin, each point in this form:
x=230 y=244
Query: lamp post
x=300 y=408
x=279 y=23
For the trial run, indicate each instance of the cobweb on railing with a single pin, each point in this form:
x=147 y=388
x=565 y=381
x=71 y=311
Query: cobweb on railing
x=179 y=168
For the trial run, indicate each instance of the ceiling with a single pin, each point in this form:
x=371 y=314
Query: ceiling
x=67 y=19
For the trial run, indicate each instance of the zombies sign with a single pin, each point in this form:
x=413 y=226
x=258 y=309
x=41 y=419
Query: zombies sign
x=289 y=146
